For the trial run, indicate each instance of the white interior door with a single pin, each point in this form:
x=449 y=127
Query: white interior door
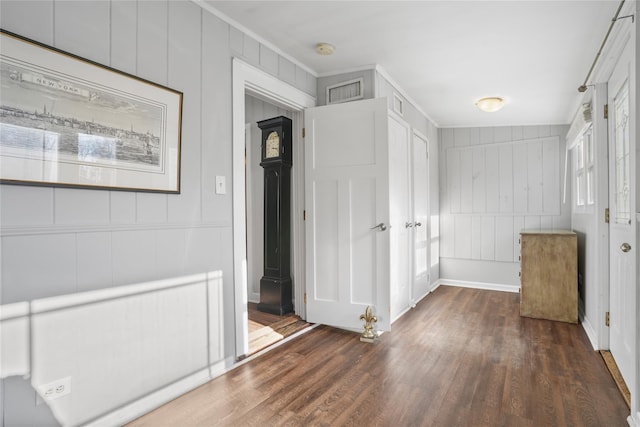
x=622 y=207
x=420 y=194
x=400 y=218
x=346 y=196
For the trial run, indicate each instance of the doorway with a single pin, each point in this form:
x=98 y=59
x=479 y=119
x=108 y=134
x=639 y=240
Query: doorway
x=249 y=80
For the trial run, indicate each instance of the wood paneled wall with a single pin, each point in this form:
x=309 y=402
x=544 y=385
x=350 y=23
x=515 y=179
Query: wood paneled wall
x=495 y=182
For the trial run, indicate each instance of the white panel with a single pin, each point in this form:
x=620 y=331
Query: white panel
x=447 y=236
x=134 y=256
x=462 y=236
x=268 y=60
x=480 y=274
x=236 y=38
x=466 y=181
x=546 y=222
x=476 y=237
x=326 y=236
x=532 y=222
x=95 y=206
x=479 y=177
x=184 y=71
x=14 y=340
x=251 y=50
x=152 y=41
x=544 y=131
x=122 y=207
x=286 y=70
x=24 y=205
x=502 y=134
x=492 y=182
x=363 y=256
x=518 y=226
x=81 y=28
x=447 y=138
x=474 y=136
x=170 y=249
x=534 y=176
x=488 y=238
x=94 y=261
x=206 y=247
x=529 y=132
x=161 y=333
x=516 y=133
x=551 y=176
x=461 y=137
x=453 y=179
x=38 y=27
x=37 y=266
x=359 y=152
x=123 y=30
x=504 y=239
x=506 y=178
x=520 y=174
x=151 y=208
x=486 y=135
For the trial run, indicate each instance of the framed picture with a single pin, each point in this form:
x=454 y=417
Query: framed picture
x=67 y=121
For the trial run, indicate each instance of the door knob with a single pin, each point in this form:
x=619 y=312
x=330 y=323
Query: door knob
x=417 y=224
x=380 y=226
x=408 y=224
x=625 y=247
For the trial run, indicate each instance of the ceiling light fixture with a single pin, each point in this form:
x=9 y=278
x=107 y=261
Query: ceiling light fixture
x=324 y=49
x=490 y=104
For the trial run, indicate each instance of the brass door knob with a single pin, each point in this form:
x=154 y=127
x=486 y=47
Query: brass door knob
x=625 y=247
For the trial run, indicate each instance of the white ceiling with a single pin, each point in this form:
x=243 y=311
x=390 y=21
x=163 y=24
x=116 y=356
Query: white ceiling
x=447 y=54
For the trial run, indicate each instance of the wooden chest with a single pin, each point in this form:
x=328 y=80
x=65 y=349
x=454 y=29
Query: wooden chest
x=549 y=275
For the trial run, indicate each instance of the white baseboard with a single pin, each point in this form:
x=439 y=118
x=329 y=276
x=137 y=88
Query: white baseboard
x=479 y=285
x=591 y=333
x=152 y=401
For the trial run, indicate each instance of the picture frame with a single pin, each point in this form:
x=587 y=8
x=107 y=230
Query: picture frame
x=71 y=122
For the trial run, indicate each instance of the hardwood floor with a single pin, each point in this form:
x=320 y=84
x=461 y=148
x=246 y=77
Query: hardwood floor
x=266 y=329
x=462 y=357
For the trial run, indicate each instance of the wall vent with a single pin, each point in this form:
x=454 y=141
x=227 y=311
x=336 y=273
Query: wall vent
x=345 y=91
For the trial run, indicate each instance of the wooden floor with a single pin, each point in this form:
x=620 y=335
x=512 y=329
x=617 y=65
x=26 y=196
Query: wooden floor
x=266 y=329
x=462 y=357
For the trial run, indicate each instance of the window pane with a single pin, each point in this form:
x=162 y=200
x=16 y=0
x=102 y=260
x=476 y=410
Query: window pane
x=622 y=214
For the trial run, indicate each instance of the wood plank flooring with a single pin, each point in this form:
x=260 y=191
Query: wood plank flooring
x=266 y=329
x=462 y=357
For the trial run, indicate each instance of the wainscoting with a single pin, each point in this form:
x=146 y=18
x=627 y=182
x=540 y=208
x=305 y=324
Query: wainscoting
x=123 y=351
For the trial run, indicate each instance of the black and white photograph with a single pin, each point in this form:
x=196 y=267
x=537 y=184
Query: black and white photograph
x=57 y=126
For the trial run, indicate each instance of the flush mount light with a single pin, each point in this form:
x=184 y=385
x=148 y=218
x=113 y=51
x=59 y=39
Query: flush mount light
x=324 y=49
x=490 y=104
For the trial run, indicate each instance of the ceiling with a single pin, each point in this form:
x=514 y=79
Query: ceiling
x=447 y=54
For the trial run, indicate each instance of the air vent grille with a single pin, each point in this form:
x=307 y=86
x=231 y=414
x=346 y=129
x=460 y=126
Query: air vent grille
x=345 y=91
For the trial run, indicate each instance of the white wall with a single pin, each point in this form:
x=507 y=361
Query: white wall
x=494 y=182
x=60 y=241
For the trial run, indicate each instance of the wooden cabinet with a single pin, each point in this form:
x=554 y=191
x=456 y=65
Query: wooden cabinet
x=549 y=275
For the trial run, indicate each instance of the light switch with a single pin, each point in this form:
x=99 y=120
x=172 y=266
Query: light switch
x=221 y=186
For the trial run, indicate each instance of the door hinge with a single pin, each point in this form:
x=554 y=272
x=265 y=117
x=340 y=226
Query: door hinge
x=305 y=297
x=606 y=111
x=606 y=215
x=303 y=132
x=606 y=318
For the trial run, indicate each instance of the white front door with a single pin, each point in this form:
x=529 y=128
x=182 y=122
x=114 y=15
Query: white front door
x=622 y=205
x=400 y=217
x=420 y=218
x=347 y=213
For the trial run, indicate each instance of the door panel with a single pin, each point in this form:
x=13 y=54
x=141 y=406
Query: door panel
x=346 y=196
x=420 y=218
x=399 y=216
x=622 y=204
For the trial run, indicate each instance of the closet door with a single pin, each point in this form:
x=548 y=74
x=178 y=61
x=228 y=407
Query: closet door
x=420 y=196
x=400 y=216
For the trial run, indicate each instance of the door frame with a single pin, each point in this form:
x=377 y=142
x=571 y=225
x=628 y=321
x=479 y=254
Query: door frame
x=249 y=80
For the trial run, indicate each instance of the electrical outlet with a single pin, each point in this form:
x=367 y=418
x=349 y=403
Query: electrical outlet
x=55 y=389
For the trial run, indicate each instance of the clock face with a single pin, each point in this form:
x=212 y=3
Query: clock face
x=272 y=148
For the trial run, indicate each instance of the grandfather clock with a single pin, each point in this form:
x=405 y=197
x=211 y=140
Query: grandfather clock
x=275 y=285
